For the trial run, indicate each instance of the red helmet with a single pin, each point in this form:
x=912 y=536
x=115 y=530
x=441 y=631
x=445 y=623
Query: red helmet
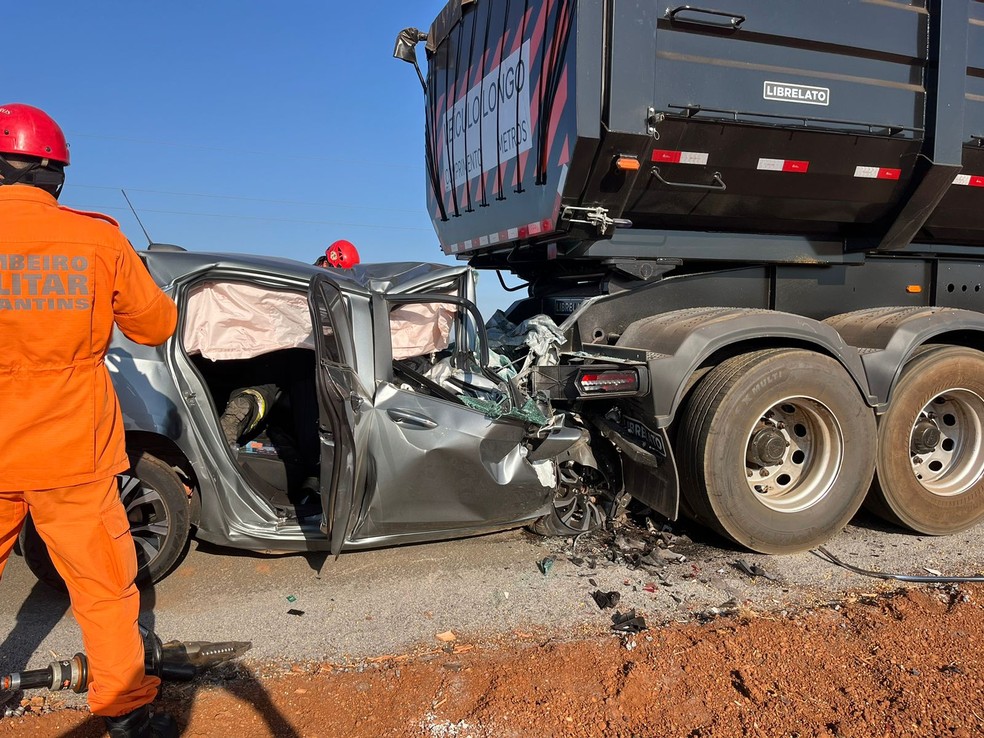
x=29 y=131
x=342 y=254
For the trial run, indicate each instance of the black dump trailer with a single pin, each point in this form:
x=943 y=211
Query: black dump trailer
x=777 y=205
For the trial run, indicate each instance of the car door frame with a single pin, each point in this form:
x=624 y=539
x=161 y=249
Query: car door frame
x=341 y=401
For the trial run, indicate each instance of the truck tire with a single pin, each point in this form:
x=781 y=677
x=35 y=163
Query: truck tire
x=777 y=450
x=930 y=458
x=158 y=508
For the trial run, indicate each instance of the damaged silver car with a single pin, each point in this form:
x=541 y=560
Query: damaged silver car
x=301 y=409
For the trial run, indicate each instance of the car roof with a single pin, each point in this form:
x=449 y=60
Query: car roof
x=169 y=263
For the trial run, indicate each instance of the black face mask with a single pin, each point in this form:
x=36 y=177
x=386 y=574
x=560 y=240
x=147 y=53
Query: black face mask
x=44 y=174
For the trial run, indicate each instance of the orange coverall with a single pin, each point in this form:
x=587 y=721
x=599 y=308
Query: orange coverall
x=66 y=278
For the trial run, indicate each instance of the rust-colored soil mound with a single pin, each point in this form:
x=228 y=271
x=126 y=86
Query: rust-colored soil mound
x=910 y=663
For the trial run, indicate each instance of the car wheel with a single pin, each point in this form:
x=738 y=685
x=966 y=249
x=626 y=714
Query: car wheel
x=158 y=509
x=574 y=510
x=570 y=515
x=777 y=450
x=930 y=459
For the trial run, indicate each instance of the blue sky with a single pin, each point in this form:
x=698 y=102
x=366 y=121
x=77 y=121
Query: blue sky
x=238 y=125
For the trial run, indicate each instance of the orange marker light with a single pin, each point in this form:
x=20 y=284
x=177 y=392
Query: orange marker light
x=627 y=164
x=913 y=289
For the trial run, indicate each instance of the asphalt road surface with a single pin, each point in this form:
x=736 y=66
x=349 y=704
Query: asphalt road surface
x=298 y=608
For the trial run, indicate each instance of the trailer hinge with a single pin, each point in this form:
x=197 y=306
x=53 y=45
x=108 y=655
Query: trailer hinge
x=653 y=119
x=596 y=216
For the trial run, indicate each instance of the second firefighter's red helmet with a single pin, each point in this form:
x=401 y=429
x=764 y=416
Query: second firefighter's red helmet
x=342 y=254
x=29 y=131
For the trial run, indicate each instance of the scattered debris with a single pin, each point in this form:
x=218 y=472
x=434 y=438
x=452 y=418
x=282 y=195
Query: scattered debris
x=447 y=636
x=752 y=570
x=544 y=565
x=667 y=555
x=13 y=704
x=628 y=622
x=606 y=600
x=826 y=555
x=292 y=611
x=292 y=598
x=730 y=607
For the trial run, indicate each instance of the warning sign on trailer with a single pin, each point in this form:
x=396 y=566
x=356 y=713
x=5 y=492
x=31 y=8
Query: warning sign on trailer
x=490 y=124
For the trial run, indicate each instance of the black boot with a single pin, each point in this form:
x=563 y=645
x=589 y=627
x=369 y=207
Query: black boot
x=142 y=724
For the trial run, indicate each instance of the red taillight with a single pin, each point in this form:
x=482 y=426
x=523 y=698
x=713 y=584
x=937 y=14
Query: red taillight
x=608 y=381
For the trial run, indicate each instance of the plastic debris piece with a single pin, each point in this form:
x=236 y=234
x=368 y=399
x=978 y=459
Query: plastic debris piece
x=447 y=636
x=292 y=598
x=292 y=611
x=667 y=555
x=545 y=565
x=752 y=570
x=649 y=587
x=628 y=622
x=606 y=600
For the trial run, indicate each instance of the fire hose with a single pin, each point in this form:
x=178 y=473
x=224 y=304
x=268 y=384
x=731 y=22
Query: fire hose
x=177 y=661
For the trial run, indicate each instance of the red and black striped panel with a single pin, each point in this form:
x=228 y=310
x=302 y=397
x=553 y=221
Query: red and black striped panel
x=500 y=118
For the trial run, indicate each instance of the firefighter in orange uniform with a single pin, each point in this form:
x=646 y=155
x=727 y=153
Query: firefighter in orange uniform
x=66 y=278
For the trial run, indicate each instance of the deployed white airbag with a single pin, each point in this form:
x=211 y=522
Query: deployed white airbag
x=421 y=328
x=234 y=320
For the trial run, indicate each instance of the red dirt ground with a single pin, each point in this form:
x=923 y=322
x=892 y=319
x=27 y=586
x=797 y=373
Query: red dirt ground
x=905 y=663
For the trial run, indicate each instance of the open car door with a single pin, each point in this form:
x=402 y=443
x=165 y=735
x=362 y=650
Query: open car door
x=340 y=403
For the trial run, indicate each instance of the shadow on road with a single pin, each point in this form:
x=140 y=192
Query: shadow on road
x=179 y=701
x=40 y=612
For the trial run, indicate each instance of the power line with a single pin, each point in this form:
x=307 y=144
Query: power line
x=247 y=199
x=389 y=163
x=254 y=217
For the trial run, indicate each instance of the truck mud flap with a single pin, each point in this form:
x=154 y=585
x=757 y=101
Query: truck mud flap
x=648 y=468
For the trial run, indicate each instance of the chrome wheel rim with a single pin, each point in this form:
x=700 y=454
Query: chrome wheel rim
x=945 y=443
x=794 y=452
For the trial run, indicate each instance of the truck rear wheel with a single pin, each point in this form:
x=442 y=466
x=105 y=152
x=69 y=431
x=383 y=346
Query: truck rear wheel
x=930 y=458
x=777 y=450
